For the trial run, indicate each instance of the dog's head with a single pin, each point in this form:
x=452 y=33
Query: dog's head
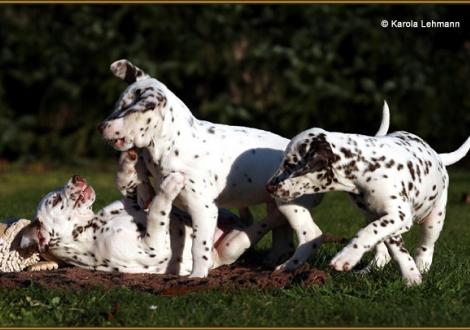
x=139 y=110
x=307 y=166
x=58 y=212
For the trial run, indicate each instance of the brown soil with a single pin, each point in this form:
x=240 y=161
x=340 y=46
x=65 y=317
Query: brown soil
x=248 y=274
x=226 y=277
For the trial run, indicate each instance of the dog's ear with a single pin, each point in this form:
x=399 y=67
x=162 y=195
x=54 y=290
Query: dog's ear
x=322 y=156
x=31 y=235
x=127 y=71
x=319 y=161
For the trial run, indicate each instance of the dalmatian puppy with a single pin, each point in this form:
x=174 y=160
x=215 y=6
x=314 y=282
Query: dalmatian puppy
x=397 y=179
x=221 y=166
x=115 y=238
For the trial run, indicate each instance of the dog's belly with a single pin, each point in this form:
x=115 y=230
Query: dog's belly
x=233 y=171
x=246 y=180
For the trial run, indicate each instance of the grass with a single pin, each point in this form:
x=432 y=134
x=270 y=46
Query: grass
x=347 y=299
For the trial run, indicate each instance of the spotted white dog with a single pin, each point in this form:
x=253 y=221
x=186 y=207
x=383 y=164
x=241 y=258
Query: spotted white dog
x=396 y=179
x=115 y=238
x=220 y=165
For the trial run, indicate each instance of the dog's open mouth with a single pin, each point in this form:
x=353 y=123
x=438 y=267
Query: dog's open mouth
x=85 y=194
x=118 y=143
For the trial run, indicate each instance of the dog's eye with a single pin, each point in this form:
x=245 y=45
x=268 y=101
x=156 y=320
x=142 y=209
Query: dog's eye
x=302 y=149
x=56 y=199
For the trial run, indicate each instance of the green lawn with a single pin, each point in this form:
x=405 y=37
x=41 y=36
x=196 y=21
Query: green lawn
x=347 y=299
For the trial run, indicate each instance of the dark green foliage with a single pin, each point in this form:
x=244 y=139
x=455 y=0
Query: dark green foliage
x=282 y=68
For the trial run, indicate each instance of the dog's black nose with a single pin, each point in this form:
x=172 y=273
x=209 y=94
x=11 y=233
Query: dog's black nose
x=101 y=127
x=270 y=188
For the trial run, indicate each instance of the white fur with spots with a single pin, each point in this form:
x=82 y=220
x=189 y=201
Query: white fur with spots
x=117 y=237
x=397 y=180
x=221 y=166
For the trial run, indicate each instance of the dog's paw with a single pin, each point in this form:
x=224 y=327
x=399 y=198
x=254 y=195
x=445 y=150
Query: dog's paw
x=423 y=263
x=379 y=262
x=423 y=259
x=345 y=260
x=413 y=279
x=42 y=266
x=289 y=266
x=199 y=274
x=172 y=185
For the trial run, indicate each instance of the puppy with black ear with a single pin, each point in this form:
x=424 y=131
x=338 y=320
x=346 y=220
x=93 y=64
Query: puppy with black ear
x=221 y=166
x=397 y=180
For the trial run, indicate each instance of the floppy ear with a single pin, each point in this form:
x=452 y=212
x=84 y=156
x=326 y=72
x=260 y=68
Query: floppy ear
x=319 y=161
x=127 y=71
x=323 y=156
x=31 y=236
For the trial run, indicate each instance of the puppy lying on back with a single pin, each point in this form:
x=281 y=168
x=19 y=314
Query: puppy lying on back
x=115 y=238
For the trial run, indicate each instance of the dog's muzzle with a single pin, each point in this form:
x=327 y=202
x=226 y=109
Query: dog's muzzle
x=271 y=188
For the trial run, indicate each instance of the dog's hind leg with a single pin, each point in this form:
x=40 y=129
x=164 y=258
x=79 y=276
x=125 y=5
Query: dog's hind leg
x=235 y=243
x=430 y=230
x=380 y=260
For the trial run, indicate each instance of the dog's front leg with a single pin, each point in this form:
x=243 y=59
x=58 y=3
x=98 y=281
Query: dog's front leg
x=204 y=216
x=395 y=221
x=158 y=221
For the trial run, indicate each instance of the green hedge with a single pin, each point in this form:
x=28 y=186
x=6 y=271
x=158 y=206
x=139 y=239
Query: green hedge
x=279 y=67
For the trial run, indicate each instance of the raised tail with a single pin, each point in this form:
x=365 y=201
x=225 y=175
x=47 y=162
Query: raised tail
x=385 y=124
x=453 y=157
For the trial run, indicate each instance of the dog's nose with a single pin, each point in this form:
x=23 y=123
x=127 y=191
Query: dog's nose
x=101 y=127
x=77 y=179
x=270 y=188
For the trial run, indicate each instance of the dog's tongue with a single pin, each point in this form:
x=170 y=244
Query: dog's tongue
x=86 y=193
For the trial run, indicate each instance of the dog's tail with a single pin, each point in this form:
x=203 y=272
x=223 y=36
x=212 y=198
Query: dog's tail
x=453 y=157
x=385 y=124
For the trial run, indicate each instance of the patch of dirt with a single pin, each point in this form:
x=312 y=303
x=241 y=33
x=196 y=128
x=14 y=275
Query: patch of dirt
x=226 y=277
x=246 y=274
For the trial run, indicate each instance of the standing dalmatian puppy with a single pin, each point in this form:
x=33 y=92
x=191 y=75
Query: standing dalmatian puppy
x=220 y=166
x=396 y=179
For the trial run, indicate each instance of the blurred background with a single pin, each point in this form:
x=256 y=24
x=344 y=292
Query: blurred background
x=284 y=68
